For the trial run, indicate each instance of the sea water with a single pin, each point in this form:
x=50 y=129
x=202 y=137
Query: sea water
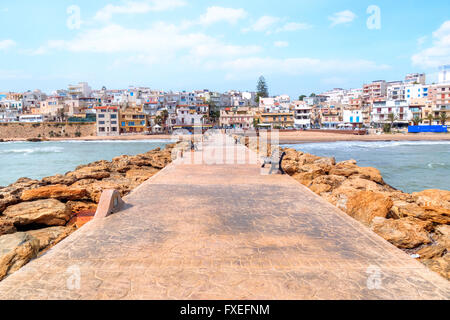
x=43 y=159
x=410 y=166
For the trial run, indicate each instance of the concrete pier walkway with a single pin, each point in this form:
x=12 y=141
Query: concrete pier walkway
x=224 y=232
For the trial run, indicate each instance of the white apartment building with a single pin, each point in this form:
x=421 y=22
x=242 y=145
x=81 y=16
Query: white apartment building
x=395 y=90
x=186 y=117
x=33 y=98
x=302 y=115
x=416 y=91
x=336 y=95
x=80 y=90
x=400 y=109
x=415 y=78
x=107 y=121
x=278 y=104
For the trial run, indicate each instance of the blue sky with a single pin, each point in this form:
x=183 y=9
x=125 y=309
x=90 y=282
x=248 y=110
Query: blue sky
x=299 y=46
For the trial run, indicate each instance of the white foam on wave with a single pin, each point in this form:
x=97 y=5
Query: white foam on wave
x=33 y=150
x=364 y=144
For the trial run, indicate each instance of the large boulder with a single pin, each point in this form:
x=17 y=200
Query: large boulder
x=364 y=206
x=94 y=172
x=16 y=250
x=434 y=214
x=433 y=198
x=60 y=192
x=7 y=199
x=442 y=234
x=440 y=265
x=348 y=170
x=50 y=236
x=95 y=188
x=305 y=178
x=405 y=233
x=6 y=227
x=48 y=212
x=81 y=206
x=307 y=158
x=59 y=179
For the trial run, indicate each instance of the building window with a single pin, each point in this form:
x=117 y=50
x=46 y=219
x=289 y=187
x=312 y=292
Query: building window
x=101 y=115
x=101 y=122
x=114 y=116
x=123 y=124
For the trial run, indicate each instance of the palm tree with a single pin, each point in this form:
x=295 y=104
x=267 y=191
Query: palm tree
x=392 y=118
x=443 y=118
x=417 y=120
x=430 y=118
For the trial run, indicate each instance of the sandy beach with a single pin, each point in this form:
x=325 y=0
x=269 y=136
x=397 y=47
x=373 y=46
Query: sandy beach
x=285 y=137
x=306 y=136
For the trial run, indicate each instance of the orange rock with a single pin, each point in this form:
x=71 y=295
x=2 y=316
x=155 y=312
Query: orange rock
x=405 y=233
x=364 y=206
x=61 y=192
x=433 y=198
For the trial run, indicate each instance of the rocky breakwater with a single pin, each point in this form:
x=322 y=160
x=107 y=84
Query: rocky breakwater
x=417 y=223
x=36 y=215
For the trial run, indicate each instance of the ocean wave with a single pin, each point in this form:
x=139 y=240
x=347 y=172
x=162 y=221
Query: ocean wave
x=363 y=144
x=25 y=151
x=439 y=165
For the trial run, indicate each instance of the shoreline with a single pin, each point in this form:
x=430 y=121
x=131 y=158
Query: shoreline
x=284 y=137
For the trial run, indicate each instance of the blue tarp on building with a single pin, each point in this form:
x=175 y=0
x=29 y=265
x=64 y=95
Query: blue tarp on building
x=419 y=129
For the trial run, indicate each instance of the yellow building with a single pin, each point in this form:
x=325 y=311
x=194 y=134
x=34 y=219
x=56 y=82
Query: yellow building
x=276 y=120
x=133 y=120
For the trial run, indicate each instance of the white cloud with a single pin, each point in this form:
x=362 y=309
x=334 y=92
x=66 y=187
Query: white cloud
x=263 y=24
x=268 y=24
x=342 y=17
x=293 y=26
x=218 y=14
x=6 y=44
x=137 y=7
x=162 y=42
x=281 y=44
x=439 y=53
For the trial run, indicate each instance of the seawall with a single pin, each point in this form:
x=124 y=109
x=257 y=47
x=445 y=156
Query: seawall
x=45 y=130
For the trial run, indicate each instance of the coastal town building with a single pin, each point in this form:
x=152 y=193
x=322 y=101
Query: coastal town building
x=302 y=115
x=133 y=120
x=353 y=118
x=80 y=90
x=237 y=117
x=276 y=120
x=107 y=121
x=442 y=100
x=377 y=89
x=415 y=78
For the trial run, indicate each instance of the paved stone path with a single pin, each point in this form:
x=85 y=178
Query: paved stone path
x=224 y=232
